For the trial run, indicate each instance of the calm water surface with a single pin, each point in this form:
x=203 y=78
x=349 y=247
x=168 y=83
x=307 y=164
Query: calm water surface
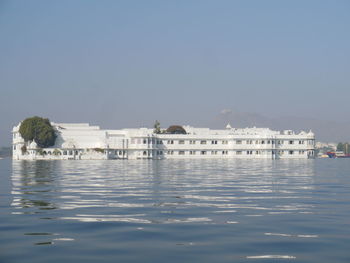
x=175 y=211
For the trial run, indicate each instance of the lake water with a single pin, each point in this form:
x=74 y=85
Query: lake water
x=175 y=211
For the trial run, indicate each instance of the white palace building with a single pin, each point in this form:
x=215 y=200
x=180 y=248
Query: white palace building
x=80 y=141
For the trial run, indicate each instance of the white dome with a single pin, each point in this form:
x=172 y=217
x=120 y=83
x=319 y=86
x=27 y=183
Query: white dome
x=33 y=145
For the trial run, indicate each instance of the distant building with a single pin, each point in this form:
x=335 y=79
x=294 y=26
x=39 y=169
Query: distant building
x=82 y=141
x=328 y=145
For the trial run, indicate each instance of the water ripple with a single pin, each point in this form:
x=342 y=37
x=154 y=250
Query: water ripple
x=227 y=209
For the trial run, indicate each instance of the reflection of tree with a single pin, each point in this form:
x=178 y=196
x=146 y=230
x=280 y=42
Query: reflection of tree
x=34 y=184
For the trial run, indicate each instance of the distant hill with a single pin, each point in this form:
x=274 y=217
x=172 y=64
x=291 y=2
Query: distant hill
x=325 y=131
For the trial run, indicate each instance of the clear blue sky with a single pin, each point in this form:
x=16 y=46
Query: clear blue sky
x=126 y=63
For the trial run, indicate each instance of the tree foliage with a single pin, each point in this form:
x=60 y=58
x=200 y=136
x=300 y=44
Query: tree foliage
x=176 y=129
x=340 y=147
x=99 y=150
x=24 y=149
x=39 y=130
x=344 y=147
x=156 y=127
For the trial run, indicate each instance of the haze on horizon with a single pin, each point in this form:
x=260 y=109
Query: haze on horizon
x=127 y=63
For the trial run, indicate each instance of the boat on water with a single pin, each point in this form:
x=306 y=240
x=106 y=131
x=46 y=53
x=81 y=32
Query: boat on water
x=338 y=154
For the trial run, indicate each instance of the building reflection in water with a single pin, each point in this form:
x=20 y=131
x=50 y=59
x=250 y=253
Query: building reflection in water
x=166 y=191
x=33 y=185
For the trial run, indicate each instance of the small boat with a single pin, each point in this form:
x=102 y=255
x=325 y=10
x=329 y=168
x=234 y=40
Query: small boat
x=338 y=154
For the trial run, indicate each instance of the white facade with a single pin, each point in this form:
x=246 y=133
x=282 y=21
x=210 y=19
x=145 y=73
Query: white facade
x=330 y=145
x=82 y=141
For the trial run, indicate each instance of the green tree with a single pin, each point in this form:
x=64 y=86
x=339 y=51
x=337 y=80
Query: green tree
x=39 y=130
x=24 y=149
x=340 y=147
x=176 y=129
x=99 y=150
x=157 y=127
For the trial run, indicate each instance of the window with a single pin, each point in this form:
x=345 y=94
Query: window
x=192 y=152
x=144 y=141
x=192 y=142
x=301 y=142
x=203 y=152
x=224 y=142
x=239 y=152
x=144 y=153
x=170 y=142
x=224 y=152
x=291 y=152
x=268 y=142
x=291 y=142
x=249 y=152
x=238 y=142
x=214 y=152
x=120 y=153
x=159 y=142
x=170 y=152
x=249 y=141
x=214 y=142
x=181 y=142
x=301 y=152
x=203 y=142
x=181 y=152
